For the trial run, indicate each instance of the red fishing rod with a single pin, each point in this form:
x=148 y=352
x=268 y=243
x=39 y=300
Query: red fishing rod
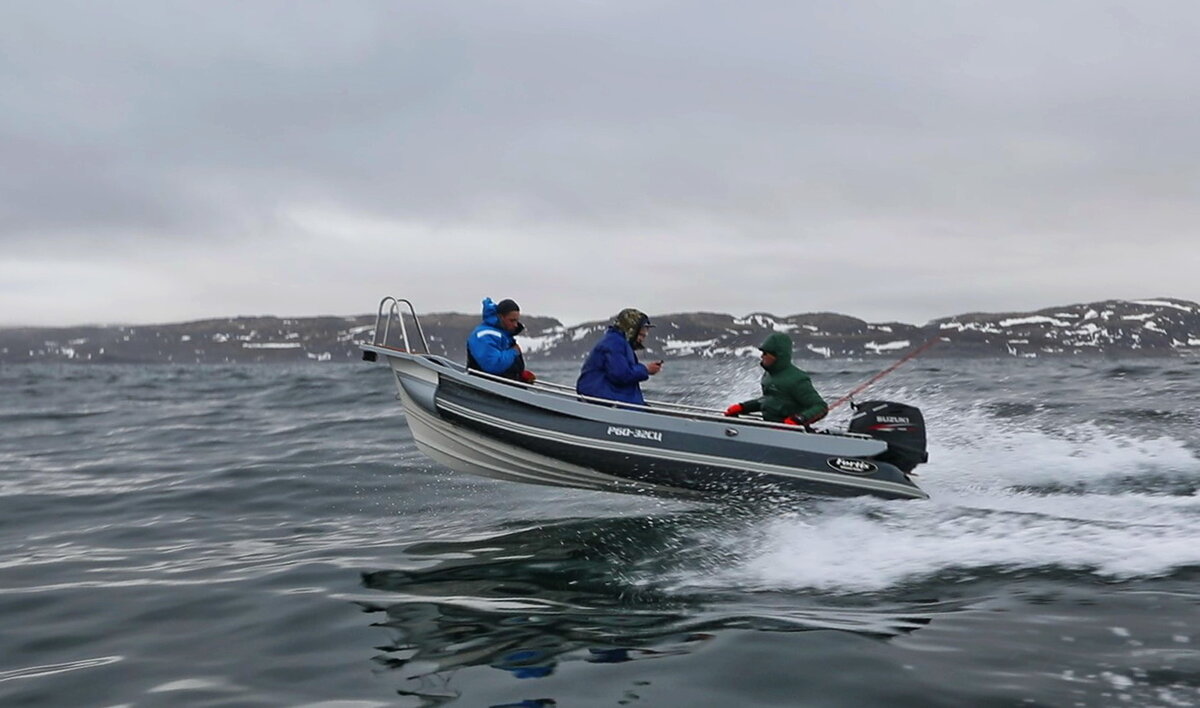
x=883 y=373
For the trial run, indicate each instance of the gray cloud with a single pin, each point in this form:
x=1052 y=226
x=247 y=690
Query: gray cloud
x=892 y=161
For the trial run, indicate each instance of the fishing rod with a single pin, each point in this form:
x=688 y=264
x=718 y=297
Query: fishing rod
x=885 y=372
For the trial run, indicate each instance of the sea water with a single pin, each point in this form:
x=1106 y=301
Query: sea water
x=270 y=536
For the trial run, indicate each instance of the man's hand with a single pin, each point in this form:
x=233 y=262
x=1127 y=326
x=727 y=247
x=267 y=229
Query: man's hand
x=735 y=409
x=654 y=367
x=528 y=377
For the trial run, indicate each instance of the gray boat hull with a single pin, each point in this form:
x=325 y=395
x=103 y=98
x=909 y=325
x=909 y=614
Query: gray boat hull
x=508 y=431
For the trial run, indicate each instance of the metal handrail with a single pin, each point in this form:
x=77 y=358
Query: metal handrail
x=658 y=405
x=394 y=309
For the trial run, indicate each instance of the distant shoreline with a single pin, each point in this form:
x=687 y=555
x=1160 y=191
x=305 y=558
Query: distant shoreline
x=1112 y=329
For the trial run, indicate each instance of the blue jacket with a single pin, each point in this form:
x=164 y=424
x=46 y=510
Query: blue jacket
x=612 y=370
x=491 y=348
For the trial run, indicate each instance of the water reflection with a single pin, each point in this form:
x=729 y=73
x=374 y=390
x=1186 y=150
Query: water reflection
x=528 y=600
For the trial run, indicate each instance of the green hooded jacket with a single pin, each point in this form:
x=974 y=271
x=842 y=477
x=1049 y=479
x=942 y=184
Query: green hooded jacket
x=787 y=391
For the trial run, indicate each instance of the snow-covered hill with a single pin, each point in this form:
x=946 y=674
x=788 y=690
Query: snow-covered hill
x=1155 y=327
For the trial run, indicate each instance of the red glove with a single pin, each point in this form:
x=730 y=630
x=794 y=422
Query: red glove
x=528 y=377
x=735 y=409
x=791 y=421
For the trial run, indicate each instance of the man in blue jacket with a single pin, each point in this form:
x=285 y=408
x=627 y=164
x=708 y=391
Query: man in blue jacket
x=491 y=346
x=612 y=370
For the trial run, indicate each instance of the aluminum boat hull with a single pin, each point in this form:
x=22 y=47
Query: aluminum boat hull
x=508 y=431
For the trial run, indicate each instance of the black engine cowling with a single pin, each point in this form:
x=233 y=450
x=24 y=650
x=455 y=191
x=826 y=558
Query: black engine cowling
x=901 y=427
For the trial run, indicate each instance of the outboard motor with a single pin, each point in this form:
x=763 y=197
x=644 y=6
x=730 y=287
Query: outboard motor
x=901 y=427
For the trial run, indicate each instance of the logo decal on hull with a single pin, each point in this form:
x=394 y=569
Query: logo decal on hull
x=851 y=465
x=619 y=431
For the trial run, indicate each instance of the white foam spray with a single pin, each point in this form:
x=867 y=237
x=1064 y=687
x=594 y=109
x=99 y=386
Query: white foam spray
x=1004 y=497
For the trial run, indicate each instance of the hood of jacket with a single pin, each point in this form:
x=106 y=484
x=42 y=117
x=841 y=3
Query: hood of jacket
x=629 y=322
x=490 y=316
x=780 y=345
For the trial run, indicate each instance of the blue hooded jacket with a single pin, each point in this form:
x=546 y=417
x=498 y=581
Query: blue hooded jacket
x=612 y=370
x=491 y=347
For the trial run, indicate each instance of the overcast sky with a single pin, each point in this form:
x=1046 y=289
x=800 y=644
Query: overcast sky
x=163 y=161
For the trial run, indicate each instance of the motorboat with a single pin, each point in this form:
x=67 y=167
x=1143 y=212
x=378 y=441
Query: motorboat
x=546 y=433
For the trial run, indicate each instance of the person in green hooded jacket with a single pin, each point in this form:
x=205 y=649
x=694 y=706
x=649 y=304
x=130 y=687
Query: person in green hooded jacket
x=788 y=394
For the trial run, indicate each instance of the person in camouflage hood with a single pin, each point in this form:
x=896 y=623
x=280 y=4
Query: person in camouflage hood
x=788 y=394
x=630 y=322
x=612 y=369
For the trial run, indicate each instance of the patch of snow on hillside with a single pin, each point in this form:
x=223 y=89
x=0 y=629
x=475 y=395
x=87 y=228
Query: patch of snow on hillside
x=684 y=344
x=1035 y=319
x=271 y=345
x=763 y=321
x=985 y=327
x=1163 y=303
x=537 y=344
x=886 y=346
x=681 y=347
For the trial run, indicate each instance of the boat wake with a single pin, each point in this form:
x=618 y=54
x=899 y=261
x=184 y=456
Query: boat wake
x=1012 y=501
